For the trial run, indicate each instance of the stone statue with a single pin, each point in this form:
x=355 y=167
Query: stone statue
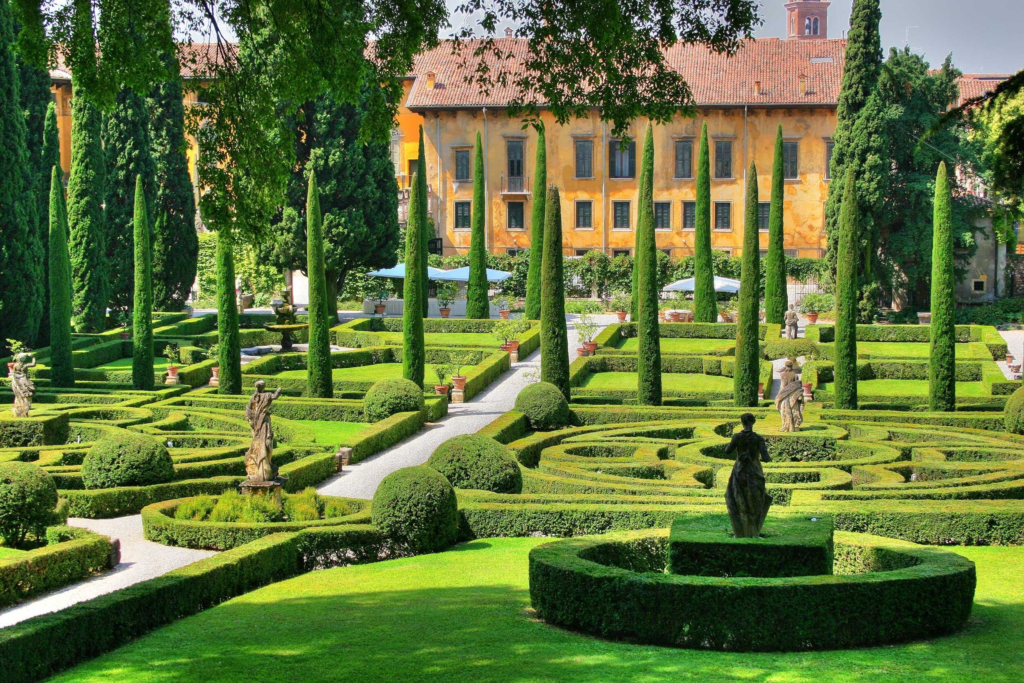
x=258 y=463
x=791 y=321
x=22 y=386
x=790 y=400
x=746 y=496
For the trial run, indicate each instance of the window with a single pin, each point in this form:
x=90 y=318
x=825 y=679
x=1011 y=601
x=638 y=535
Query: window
x=723 y=216
x=684 y=159
x=830 y=147
x=764 y=212
x=582 y=252
x=723 y=159
x=413 y=165
x=763 y=253
x=979 y=286
x=666 y=252
x=514 y=251
x=790 y=155
x=807 y=27
x=689 y=215
x=584 y=215
x=462 y=215
x=621 y=162
x=620 y=252
x=727 y=252
x=584 y=158
x=662 y=215
x=515 y=216
x=462 y=164
x=621 y=213
x=790 y=253
x=816 y=26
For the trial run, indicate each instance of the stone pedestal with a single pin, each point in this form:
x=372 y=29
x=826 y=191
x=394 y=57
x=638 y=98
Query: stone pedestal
x=458 y=395
x=514 y=355
x=343 y=456
x=114 y=558
x=263 y=488
x=172 y=379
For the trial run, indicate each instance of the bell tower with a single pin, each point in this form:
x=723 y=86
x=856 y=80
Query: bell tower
x=807 y=19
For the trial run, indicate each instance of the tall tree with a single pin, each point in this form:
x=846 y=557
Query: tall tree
x=554 y=338
x=175 y=240
x=229 y=343
x=126 y=143
x=358 y=196
x=142 y=309
x=846 y=300
x=646 y=293
x=425 y=235
x=318 y=364
x=748 y=345
x=477 y=306
x=50 y=157
x=540 y=184
x=413 y=353
x=776 y=296
x=87 y=185
x=705 y=307
x=62 y=370
x=21 y=282
x=942 y=355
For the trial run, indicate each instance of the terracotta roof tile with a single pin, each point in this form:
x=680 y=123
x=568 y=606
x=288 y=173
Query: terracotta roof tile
x=976 y=85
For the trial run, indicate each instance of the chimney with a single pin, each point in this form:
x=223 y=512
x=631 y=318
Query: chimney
x=430 y=80
x=757 y=88
x=508 y=31
x=803 y=85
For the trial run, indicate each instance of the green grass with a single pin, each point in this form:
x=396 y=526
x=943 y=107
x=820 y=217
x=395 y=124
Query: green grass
x=9 y=552
x=971 y=351
x=371 y=373
x=690 y=347
x=463 y=617
x=333 y=433
x=669 y=382
x=448 y=339
x=159 y=363
x=911 y=387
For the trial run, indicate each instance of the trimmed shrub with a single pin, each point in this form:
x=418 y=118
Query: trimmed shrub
x=477 y=462
x=142 y=323
x=554 y=344
x=646 y=295
x=544 y=406
x=847 y=293
x=748 y=350
x=705 y=306
x=417 y=508
x=318 y=369
x=390 y=396
x=477 y=306
x=126 y=459
x=540 y=186
x=62 y=372
x=28 y=497
x=942 y=353
x=1013 y=414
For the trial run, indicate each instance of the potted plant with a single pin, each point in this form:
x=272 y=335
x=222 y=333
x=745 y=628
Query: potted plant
x=380 y=297
x=16 y=348
x=213 y=353
x=173 y=355
x=458 y=379
x=586 y=329
x=124 y=321
x=501 y=301
x=622 y=302
x=443 y=372
x=447 y=292
x=814 y=304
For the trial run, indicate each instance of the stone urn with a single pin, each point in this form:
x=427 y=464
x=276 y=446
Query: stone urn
x=215 y=378
x=245 y=301
x=445 y=312
x=621 y=315
x=172 y=375
x=808 y=395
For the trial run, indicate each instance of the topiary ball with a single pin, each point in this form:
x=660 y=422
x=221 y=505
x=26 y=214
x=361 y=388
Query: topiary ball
x=126 y=459
x=477 y=462
x=390 y=396
x=1013 y=414
x=28 y=497
x=416 y=507
x=544 y=406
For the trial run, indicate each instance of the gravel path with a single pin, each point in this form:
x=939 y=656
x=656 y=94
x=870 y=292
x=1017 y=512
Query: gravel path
x=1015 y=345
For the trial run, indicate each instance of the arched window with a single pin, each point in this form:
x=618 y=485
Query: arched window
x=817 y=26
x=792 y=25
x=807 y=27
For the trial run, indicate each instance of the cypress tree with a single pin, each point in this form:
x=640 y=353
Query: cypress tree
x=942 y=360
x=50 y=154
x=20 y=251
x=424 y=280
x=705 y=307
x=50 y=157
x=846 y=300
x=318 y=364
x=175 y=241
x=748 y=346
x=126 y=145
x=646 y=293
x=142 y=313
x=413 y=361
x=554 y=338
x=776 y=297
x=540 y=183
x=35 y=101
x=87 y=185
x=477 y=307
x=229 y=343
x=62 y=372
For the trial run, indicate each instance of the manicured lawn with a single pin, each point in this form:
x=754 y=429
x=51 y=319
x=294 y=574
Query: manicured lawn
x=159 y=363
x=334 y=433
x=683 y=346
x=370 y=373
x=463 y=617
x=910 y=387
x=446 y=338
x=971 y=351
x=669 y=382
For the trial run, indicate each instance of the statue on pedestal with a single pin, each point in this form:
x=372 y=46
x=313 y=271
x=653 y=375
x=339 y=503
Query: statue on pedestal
x=790 y=400
x=22 y=386
x=258 y=465
x=791 y=321
x=746 y=496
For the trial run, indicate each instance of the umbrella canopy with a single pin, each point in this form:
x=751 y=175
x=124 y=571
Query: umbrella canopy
x=462 y=275
x=722 y=284
x=399 y=272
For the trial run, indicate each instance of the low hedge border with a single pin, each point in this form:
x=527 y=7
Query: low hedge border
x=585 y=366
x=36 y=430
x=360 y=333
x=910 y=593
x=70 y=555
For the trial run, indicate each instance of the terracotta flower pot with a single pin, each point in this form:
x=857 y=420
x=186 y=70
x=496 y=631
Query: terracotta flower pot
x=807 y=389
x=125 y=336
x=621 y=315
x=379 y=308
x=1009 y=358
x=459 y=382
x=172 y=370
x=673 y=316
x=582 y=352
x=503 y=314
x=514 y=344
x=445 y=312
x=441 y=389
x=507 y=347
x=812 y=318
x=760 y=389
x=591 y=347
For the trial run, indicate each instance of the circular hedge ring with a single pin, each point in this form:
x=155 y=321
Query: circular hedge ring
x=390 y=396
x=126 y=459
x=477 y=462
x=544 y=406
